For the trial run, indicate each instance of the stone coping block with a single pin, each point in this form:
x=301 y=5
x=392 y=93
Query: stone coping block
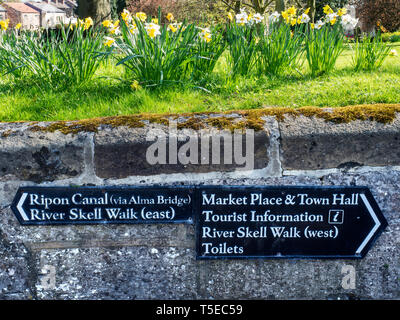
x=284 y=139
x=311 y=143
x=40 y=156
x=122 y=152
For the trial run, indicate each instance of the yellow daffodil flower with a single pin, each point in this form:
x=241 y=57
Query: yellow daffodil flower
x=205 y=36
x=107 y=23
x=172 y=28
x=292 y=11
x=285 y=15
x=154 y=20
x=110 y=42
x=328 y=9
x=307 y=10
x=4 y=24
x=126 y=16
x=87 y=23
x=141 y=16
x=135 y=85
x=133 y=30
x=342 y=12
x=18 y=26
x=152 y=29
x=230 y=16
x=170 y=17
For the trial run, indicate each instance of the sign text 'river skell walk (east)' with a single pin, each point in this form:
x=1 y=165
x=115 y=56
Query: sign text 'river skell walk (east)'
x=230 y=221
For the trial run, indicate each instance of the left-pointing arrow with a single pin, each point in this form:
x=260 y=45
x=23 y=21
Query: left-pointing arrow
x=19 y=207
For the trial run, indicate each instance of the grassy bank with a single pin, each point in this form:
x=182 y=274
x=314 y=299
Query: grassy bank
x=108 y=96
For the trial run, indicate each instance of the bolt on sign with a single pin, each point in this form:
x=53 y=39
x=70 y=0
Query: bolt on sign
x=231 y=221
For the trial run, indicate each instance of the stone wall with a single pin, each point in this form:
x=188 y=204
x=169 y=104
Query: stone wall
x=153 y=261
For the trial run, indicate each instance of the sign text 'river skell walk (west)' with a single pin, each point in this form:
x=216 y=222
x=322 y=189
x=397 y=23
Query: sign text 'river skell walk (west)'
x=231 y=221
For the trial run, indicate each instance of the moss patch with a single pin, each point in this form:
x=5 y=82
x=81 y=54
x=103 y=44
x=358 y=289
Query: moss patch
x=231 y=120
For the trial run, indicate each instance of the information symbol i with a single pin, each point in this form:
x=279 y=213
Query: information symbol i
x=336 y=216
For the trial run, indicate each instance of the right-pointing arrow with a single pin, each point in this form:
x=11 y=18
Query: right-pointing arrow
x=376 y=226
x=19 y=207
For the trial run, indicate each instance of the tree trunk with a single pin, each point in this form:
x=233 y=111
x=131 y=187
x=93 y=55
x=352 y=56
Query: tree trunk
x=238 y=5
x=98 y=10
x=311 y=5
x=279 y=5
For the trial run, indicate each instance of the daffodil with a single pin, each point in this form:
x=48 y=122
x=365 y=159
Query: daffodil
x=285 y=15
x=87 y=23
x=141 y=16
x=242 y=18
x=126 y=16
x=304 y=18
x=205 y=35
x=292 y=11
x=327 y=9
x=257 y=18
x=307 y=11
x=133 y=29
x=135 y=85
x=230 y=16
x=109 y=42
x=18 y=26
x=4 y=24
x=332 y=18
x=114 y=28
x=172 y=28
x=319 y=24
x=293 y=21
x=154 y=20
x=274 y=17
x=170 y=17
x=342 y=12
x=152 y=29
x=348 y=22
x=107 y=23
x=393 y=52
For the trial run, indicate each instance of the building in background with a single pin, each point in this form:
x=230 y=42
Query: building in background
x=3 y=13
x=60 y=4
x=73 y=5
x=19 y=12
x=50 y=16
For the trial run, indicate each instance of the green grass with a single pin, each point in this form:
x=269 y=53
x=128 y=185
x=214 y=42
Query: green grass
x=107 y=96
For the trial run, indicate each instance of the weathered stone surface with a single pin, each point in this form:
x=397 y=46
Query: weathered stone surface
x=102 y=235
x=158 y=261
x=39 y=156
x=120 y=273
x=121 y=152
x=15 y=271
x=312 y=143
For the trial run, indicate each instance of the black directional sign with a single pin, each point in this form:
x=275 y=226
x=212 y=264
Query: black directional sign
x=231 y=221
x=92 y=205
x=286 y=222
